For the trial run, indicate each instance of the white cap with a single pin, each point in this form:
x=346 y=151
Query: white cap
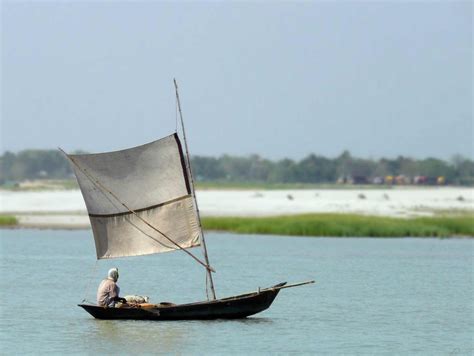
x=114 y=274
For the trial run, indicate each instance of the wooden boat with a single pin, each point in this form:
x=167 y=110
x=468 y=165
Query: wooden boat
x=235 y=307
x=142 y=201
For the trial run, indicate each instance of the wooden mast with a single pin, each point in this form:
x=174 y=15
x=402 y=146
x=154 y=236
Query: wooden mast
x=190 y=172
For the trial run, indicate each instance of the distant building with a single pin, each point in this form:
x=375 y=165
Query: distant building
x=389 y=180
x=344 y=180
x=420 y=180
x=402 y=180
x=378 y=180
x=353 y=180
x=359 y=180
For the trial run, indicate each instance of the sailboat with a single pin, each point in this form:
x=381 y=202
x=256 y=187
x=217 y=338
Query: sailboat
x=142 y=201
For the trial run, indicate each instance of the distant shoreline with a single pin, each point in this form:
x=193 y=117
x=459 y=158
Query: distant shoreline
x=309 y=225
x=71 y=184
x=410 y=211
x=395 y=202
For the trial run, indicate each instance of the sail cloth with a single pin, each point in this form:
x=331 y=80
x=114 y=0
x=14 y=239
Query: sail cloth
x=151 y=180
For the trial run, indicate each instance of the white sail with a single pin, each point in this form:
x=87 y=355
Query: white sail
x=152 y=181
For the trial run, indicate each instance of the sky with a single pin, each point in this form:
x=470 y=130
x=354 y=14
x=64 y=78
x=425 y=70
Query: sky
x=277 y=79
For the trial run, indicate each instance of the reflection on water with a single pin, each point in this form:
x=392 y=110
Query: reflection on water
x=163 y=336
x=396 y=296
x=129 y=335
x=254 y=320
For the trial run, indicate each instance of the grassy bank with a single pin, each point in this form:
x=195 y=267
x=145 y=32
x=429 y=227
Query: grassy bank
x=334 y=225
x=41 y=185
x=339 y=225
x=7 y=220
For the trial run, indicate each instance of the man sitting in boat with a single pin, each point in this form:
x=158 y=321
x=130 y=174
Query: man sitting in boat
x=108 y=292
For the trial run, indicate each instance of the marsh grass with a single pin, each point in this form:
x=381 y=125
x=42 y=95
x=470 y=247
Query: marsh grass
x=40 y=185
x=349 y=225
x=8 y=220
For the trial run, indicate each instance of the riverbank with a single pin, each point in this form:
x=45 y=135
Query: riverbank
x=8 y=221
x=346 y=225
x=317 y=225
x=395 y=202
x=312 y=212
x=44 y=185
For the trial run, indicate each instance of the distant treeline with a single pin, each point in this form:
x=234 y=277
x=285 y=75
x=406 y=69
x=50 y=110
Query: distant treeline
x=51 y=164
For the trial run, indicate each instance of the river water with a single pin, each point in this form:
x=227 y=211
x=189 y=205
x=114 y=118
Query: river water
x=372 y=296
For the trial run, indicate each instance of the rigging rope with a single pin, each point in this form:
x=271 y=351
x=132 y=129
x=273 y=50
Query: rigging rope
x=176 y=115
x=207 y=287
x=94 y=270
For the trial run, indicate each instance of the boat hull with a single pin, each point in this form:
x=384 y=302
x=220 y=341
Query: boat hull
x=235 y=307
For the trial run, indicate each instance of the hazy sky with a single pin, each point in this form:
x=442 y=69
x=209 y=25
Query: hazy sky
x=277 y=79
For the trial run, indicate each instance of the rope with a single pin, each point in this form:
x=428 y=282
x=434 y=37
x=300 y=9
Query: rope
x=102 y=187
x=92 y=274
x=176 y=115
x=207 y=287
